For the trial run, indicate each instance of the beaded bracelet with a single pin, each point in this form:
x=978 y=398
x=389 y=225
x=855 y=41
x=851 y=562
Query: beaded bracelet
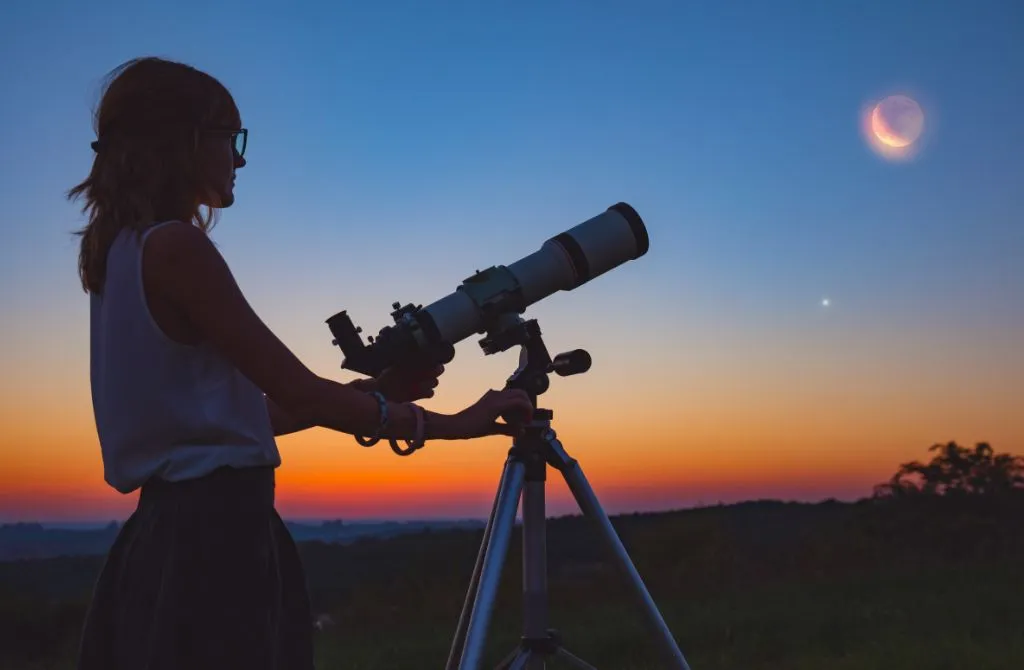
x=383 y=404
x=418 y=441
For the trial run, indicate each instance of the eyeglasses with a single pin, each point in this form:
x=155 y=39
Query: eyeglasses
x=239 y=138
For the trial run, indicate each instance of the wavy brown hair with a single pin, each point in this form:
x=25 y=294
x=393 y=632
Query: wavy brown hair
x=147 y=126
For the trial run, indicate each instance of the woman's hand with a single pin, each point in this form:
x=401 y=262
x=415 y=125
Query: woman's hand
x=408 y=383
x=481 y=418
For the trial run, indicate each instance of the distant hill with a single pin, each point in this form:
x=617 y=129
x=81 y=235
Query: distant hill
x=37 y=541
x=33 y=540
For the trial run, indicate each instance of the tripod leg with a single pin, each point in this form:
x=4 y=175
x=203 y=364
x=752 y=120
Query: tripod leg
x=474 y=583
x=591 y=508
x=511 y=659
x=521 y=661
x=535 y=569
x=494 y=560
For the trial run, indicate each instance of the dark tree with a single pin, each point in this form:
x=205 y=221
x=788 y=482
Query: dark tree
x=957 y=471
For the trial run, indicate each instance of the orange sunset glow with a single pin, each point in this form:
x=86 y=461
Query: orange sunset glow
x=700 y=425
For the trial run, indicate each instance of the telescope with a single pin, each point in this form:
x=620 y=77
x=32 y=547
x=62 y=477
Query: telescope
x=490 y=303
x=563 y=263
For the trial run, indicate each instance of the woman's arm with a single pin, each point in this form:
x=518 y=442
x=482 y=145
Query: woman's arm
x=368 y=385
x=283 y=424
x=182 y=264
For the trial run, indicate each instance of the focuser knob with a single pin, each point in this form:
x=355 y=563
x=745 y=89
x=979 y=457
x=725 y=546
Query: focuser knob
x=571 y=362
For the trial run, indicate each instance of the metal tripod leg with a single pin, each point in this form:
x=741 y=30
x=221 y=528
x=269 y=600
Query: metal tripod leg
x=524 y=476
x=539 y=643
x=517 y=660
x=468 y=647
x=591 y=508
x=467 y=606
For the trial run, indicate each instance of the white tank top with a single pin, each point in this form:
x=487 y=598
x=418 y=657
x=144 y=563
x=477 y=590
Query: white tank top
x=162 y=408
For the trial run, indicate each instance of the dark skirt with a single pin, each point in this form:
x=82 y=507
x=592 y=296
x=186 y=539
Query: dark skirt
x=203 y=575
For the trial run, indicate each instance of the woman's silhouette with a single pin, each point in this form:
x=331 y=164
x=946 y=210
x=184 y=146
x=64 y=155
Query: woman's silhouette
x=189 y=389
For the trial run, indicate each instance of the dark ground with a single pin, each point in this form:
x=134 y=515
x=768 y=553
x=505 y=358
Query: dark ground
x=922 y=584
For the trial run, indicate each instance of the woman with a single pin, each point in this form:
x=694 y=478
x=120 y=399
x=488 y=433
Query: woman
x=190 y=387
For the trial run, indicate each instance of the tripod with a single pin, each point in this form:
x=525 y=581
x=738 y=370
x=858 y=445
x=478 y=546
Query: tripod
x=524 y=476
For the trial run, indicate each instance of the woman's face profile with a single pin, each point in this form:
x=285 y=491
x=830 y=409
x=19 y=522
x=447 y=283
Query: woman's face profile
x=218 y=160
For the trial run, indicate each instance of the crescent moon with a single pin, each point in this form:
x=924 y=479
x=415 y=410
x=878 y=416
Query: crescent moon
x=884 y=133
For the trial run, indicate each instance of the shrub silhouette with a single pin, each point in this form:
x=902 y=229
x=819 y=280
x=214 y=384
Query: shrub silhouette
x=957 y=471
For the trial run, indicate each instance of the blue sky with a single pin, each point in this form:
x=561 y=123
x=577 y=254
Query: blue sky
x=395 y=147
x=732 y=129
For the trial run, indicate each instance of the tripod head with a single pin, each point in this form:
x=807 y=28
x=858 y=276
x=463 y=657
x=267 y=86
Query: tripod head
x=535 y=363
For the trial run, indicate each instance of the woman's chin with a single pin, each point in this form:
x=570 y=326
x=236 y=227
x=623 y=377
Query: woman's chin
x=220 y=200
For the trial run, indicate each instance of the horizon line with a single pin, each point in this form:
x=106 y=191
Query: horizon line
x=100 y=522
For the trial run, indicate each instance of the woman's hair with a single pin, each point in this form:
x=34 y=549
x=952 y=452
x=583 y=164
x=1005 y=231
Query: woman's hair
x=146 y=169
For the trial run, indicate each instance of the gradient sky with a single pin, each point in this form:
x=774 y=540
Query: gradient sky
x=395 y=148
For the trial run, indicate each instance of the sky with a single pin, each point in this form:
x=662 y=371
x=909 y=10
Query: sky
x=396 y=147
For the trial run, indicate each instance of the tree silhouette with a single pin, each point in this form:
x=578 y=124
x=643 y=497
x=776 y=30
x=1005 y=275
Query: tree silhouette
x=957 y=471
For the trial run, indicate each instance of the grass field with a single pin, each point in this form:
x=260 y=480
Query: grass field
x=933 y=619
x=752 y=587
